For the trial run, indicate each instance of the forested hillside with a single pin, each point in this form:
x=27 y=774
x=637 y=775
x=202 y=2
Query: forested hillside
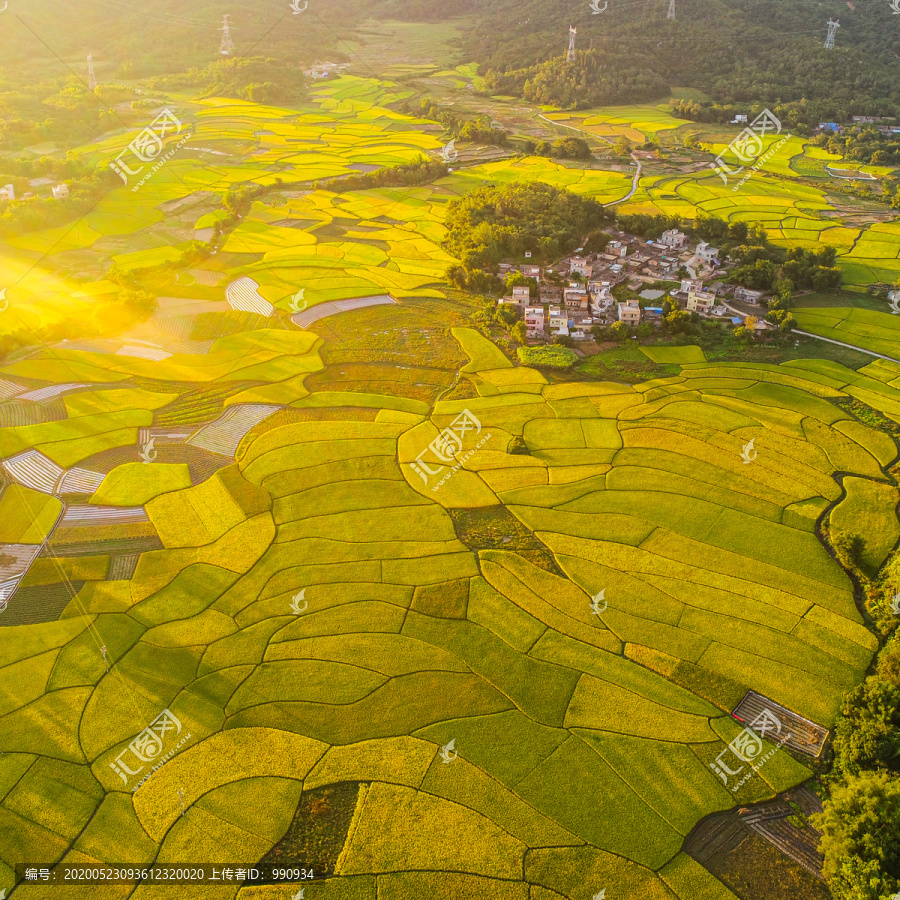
x=737 y=51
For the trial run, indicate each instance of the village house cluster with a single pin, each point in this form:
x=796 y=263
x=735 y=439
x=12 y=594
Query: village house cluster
x=58 y=191
x=575 y=294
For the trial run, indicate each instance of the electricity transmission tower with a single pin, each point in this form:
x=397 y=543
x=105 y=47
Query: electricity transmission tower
x=671 y=14
x=227 y=42
x=832 y=28
x=92 y=81
x=570 y=56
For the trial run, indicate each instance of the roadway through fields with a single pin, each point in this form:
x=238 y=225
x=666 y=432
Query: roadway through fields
x=637 y=162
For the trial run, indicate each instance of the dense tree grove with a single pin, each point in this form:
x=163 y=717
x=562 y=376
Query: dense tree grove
x=864 y=143
x=261 y=80
x=565 y=148
x=477 y=130
x=494 y=223
x=861 y=821
x=589 y=81
x=424 y=171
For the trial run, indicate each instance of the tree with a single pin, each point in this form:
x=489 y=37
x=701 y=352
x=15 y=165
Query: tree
x=517 y=446
x=867 y=735
x=738 y=231
x=622 y=146
x=678 y=321
x=572 y=148
x=889 y=663
x=860 y=828
x=597 y=242
x=519 y=332
x=517 y=279
x=618 y=331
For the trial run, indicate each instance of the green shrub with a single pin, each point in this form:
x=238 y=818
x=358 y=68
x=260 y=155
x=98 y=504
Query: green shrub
x=548 y=357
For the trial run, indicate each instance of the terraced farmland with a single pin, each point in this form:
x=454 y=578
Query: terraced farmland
x=366 y=580
x=387 y=604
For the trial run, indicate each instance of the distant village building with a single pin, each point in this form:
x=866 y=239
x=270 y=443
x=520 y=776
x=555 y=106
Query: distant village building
x=740 y=120
x=515 y=305
x=8 y=193
x=530 y=271
x=581 y=265
x=60 y=191
x=559 y=321
x=673 y=239
x=534 y=321
x=630 y=312
x=745 y=296
x=581 y=327
x=521 y=295
x=575 y=297
x=601 y=297
x=700 y=301
x=706 y=253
